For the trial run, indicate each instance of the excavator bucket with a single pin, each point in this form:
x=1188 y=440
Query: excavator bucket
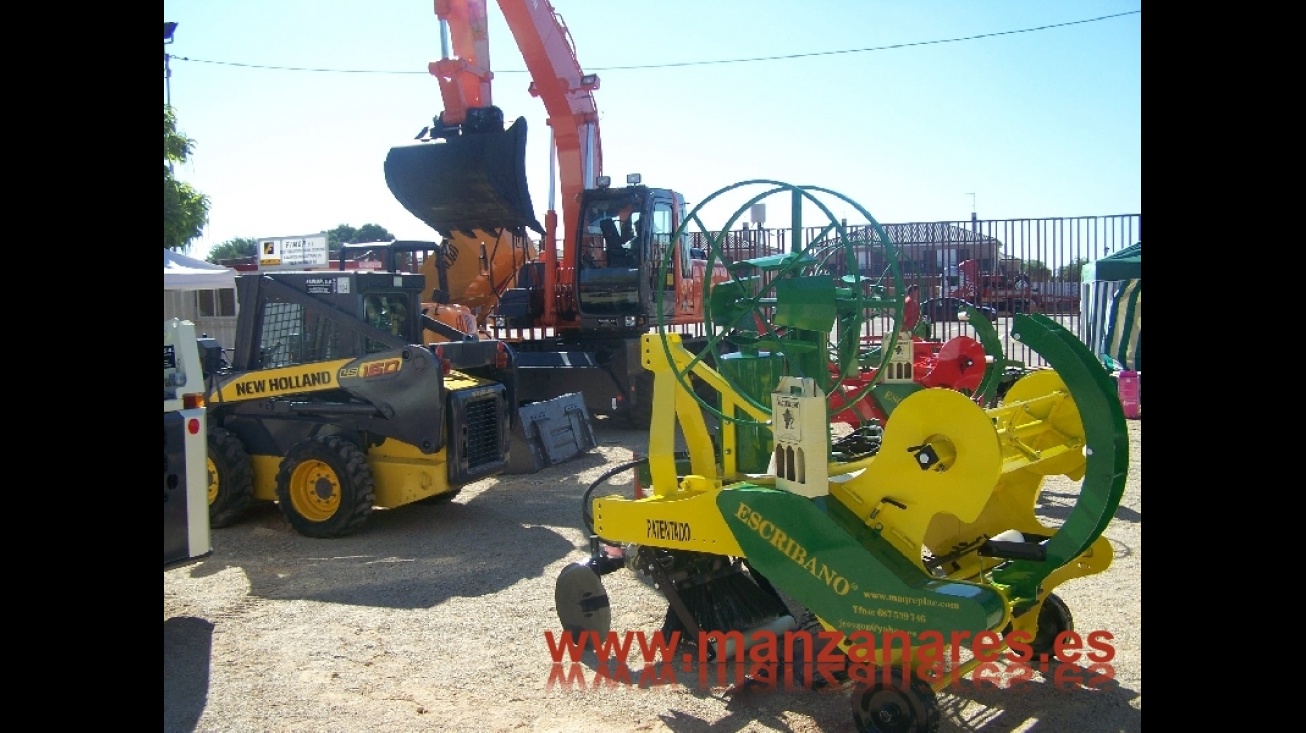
x=471 y=181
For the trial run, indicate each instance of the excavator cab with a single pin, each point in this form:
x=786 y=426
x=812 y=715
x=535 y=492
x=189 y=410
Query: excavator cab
x=613 y=237
x=611 y=251
x=465 y=178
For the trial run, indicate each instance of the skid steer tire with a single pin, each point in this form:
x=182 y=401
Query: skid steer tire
x=325 y=487
x=231 y=478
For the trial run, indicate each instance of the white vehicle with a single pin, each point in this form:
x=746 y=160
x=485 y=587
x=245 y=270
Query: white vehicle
x=185 y=447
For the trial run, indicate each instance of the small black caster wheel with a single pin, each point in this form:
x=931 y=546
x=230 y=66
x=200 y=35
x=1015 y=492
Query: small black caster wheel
x=895 y=706
x=1053 y=618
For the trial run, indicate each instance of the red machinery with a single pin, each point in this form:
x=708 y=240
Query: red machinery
x=1007 y=290
x=1010 y=290
x=960 y=363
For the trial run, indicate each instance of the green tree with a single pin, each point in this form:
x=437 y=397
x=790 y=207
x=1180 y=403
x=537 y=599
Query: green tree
x=346 y=234
x=343 y=234
x=232 y=249
x=185 y=210
x=373 y=233
x=1071 y=273
x=1037 y=270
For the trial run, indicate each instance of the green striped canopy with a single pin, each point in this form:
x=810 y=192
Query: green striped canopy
x=1122 y=343
x=1111 y=308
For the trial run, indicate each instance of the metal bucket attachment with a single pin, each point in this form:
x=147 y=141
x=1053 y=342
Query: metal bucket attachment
x=549 y=432
x=476 y=180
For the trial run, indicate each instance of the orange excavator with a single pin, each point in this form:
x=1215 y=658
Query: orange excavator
x=574 y=313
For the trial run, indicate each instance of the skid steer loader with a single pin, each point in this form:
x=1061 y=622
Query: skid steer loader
x=331 y=405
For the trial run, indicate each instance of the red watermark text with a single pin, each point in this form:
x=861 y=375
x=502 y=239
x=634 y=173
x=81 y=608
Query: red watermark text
x=802 y=659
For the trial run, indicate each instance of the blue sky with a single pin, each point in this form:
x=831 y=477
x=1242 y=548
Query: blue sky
x=1045 y=123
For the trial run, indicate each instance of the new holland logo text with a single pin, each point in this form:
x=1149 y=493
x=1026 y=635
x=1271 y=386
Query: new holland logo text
x=794 y=551
x=661 y=529
x=288 y=383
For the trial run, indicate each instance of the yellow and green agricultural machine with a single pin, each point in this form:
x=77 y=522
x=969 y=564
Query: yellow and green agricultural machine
x=918 y=527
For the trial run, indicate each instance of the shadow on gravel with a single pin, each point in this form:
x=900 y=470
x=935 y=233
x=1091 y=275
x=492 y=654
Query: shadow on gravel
x=771 y=704
x=1042 y=705
x=495 y=534
x=1060 y=511
x=187 y=646
x=773 y=710
x=552 y=496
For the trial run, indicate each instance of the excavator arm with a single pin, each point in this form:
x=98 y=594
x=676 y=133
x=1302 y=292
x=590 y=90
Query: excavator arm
x=464 y=74
x=568 y=95
x=468 y=171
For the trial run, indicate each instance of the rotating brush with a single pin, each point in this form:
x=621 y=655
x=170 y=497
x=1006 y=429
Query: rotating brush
x=717 y=594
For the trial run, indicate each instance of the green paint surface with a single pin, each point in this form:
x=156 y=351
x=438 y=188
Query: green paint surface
x=817 y=552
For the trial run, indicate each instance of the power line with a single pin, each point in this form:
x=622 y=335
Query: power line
x=873 y=48
x=784 y=57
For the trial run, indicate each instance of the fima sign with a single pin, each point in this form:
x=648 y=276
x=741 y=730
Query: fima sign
x=293 y=253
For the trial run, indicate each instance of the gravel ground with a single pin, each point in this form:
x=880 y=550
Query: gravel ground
x=433 y=618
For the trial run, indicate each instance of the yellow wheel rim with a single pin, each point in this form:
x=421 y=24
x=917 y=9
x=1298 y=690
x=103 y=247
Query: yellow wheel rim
x=315 y=491
x=213 y=481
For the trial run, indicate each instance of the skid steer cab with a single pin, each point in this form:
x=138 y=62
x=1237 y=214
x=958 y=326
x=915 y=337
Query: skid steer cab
x=331 y=405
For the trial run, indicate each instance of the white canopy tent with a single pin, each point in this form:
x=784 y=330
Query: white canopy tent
x=185 y=280
x=187 y=273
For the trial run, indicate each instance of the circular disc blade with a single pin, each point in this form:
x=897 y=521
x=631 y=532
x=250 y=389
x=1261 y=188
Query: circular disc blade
x=581 y=601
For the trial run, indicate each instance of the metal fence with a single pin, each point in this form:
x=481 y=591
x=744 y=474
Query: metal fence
x=1048 y=253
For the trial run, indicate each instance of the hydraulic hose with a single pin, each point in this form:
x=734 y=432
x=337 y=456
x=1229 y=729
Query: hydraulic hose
x=586 y=517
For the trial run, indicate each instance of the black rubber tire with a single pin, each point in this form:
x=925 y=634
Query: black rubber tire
x=325 y=487
x=896 y=707
x=1053 y=618
x=444 y=498
x=231 y=478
